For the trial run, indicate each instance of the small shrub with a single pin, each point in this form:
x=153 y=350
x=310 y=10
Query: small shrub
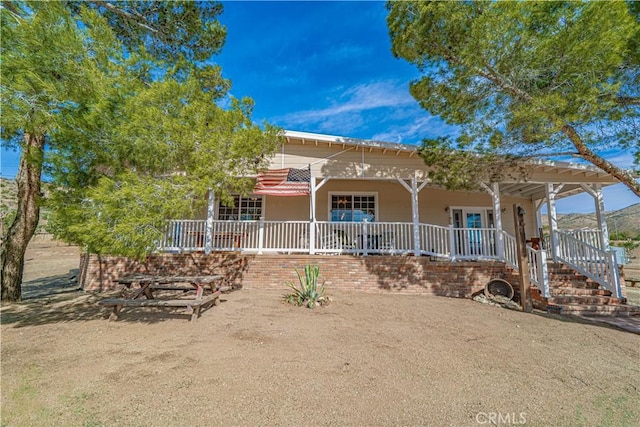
x=307 y=292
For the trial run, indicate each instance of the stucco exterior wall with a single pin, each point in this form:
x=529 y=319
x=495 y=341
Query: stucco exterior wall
x=394 y=204
x=358 y=170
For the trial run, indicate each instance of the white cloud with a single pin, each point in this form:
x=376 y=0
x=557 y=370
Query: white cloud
x=349 y=106
x=416 y=127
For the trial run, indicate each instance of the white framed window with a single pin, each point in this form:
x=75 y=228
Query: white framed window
x=353 y=207
x=245 y=208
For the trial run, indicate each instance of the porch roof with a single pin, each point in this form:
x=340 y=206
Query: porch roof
x=572 y=175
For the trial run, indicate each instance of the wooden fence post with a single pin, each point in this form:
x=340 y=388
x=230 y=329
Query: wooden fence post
x=523 y=258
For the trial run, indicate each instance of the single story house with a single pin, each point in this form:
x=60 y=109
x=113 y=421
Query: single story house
x=371 y=205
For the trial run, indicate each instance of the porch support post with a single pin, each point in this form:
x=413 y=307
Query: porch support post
x=494 y=192
x=415 y=214
x=414 y=189
x=596 y=193
x=208 y=242
x=537 y=204
x=312 y=216
x=260 y=235
x=553 y=219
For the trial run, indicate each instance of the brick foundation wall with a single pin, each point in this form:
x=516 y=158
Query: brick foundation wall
x=403 y=274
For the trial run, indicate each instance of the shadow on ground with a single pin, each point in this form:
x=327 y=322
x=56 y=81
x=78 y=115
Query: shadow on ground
x=56 y=299
x=624 y=323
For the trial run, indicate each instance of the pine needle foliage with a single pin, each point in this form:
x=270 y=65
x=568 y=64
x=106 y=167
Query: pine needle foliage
x=524 y=79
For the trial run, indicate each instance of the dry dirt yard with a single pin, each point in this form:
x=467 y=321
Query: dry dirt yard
x=362 y=360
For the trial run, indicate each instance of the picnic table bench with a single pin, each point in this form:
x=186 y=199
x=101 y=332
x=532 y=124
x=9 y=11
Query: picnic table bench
x=144 y=295
x=632 y=281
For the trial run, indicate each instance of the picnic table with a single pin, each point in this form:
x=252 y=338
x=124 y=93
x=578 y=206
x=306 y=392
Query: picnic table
x=632 y=281
x=144 y=294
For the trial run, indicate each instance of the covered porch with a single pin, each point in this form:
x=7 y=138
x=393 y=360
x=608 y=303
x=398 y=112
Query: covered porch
x=357 y=197
x=481 y=230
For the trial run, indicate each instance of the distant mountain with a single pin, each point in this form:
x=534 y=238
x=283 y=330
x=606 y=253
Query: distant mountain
x=625 y=220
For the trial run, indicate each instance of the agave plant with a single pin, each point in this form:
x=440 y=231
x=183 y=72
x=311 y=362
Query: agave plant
x=307 y=292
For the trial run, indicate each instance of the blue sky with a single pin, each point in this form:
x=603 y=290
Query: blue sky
x=327 y=67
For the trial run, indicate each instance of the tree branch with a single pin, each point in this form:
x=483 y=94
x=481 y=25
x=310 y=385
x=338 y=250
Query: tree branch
x=10 y=7
x=13 y=10
x=558 y=154
x=621 y=175
x=135 y=18
x=494 y=77
x=628 y=100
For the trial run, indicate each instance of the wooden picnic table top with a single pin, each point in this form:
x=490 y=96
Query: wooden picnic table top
x=143 y=278
x=148 y=283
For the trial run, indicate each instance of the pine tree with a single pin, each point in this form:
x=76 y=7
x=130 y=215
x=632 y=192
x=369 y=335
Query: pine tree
x=524 y=79
x=119 y=104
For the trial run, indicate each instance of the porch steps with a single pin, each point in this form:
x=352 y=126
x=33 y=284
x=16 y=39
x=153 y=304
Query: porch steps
x=575 y=294
x=568 y=290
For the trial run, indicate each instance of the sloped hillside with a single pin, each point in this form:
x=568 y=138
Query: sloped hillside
x=9 y=203
x=625 y=221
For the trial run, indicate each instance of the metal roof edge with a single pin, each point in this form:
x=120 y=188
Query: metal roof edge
x=411 y=148
x=350 y=141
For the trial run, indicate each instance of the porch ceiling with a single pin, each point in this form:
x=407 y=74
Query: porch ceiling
x=536 y=191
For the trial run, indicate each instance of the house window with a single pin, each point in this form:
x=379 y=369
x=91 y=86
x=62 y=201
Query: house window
x=243 y=209
x=353 y=207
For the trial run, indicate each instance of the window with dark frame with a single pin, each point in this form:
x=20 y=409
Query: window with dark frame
x=353 y=208
x=243 y=209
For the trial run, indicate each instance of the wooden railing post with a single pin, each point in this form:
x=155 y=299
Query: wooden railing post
x=415 y=213
x=312 y=237
x=208 y=235
x=615 y=275
x=312 y=214
x=452 y=243
x=365 y=239
x=543 y=272
x=261 y=234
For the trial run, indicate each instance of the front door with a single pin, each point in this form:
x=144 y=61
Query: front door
x=471 y=239
x=473 y=221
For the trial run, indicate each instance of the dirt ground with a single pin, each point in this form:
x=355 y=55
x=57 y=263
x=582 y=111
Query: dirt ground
x=253 y=360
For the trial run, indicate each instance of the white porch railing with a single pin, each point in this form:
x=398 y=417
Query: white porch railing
x=392 y=238
x=593 y=262
x=587 y=235
x=184 y=235
x=364 y=238
x=287 y=236
x=510 y=249
x=473 y=243
x=538 y=271
x=434 y=240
